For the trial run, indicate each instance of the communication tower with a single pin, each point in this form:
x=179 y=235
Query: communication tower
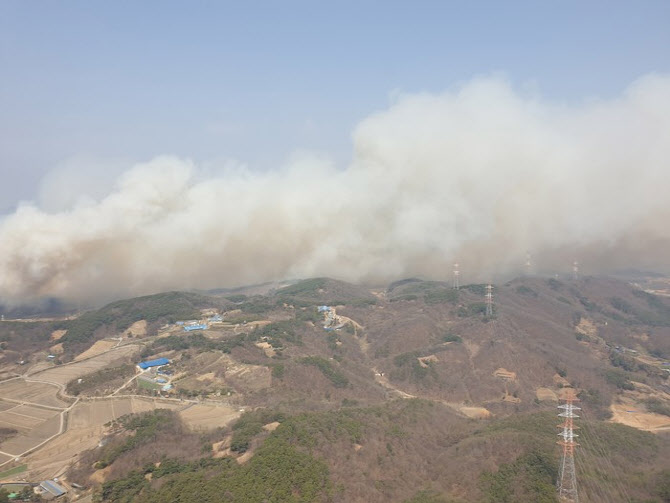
x=489 y=300
x=567 y=478
x=457 y=273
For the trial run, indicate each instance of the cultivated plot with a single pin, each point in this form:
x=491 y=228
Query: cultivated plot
x=99 y=412
x=65 y=373
x=31 y=392
x=30 y=436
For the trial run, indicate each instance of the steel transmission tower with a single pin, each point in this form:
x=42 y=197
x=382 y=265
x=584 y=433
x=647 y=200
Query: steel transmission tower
x=567 y=478
x=457 y=273
x=489 y=300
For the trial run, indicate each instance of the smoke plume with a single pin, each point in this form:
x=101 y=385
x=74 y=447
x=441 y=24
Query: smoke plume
x=480 y=175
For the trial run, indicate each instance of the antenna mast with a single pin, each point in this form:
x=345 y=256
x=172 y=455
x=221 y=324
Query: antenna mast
x=567 y=478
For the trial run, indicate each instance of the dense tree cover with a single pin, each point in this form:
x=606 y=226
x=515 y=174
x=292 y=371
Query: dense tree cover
x=311 y=292
x=278 y=473
x=196 y=340
x=250 y=425
x=170 y=306
x=289 y=466
x=657 y=406
x=100 y=378
x=144 y=428
x=531 y=477
x=277 y=334
x=432 y=292
x=619 y=378
x=305 y=287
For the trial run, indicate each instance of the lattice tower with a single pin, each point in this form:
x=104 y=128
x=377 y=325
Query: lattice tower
x=567 y=477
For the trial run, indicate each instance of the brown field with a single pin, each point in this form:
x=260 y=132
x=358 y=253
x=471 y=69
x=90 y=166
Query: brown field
x=25 y=417
x=587 y=327
x=57 y=334
x=476 y=412
x=99 y=412
x=86 y=426
x=30 y=436
x=201 y=416
x=97 y=348
x=6 y=405
x=63 y=374
x=57 y=349
x=545 y=394
x=31 y=392
x=628 y=412
x=138 y=329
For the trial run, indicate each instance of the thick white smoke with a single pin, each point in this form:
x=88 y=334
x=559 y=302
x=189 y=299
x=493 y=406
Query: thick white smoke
x=480 y=175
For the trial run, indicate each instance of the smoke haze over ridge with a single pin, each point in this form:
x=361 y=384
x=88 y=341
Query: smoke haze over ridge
x=480 y=174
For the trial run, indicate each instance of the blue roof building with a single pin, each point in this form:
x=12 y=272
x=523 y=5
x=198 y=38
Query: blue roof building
x=191 y=328
x=153 y=363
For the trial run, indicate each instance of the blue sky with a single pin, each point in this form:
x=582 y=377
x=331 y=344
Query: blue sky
x=255 y=81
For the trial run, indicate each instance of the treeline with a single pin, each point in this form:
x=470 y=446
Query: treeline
x=279 y=472
x=250 y=425
x=101 y=378
x=144 y=427
x=195 y=341
x=119 y=316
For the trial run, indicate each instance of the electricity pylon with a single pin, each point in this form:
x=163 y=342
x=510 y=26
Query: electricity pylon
x=567 y=478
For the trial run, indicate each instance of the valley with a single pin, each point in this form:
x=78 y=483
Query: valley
x=372 y=384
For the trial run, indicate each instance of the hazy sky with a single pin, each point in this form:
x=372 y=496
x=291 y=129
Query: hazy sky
x=101 y=84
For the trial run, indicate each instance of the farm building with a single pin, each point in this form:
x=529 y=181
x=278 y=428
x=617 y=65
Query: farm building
x=52 y=489
x=153 y=363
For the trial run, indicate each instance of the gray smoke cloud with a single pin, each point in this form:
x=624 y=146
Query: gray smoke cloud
x=480 y=175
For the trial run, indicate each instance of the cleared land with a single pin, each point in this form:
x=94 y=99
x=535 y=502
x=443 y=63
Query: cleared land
x=138 y=329
x=546 y=394
x=631 y=413
x=98 y=348
x=203 y=416
x=475 y=412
